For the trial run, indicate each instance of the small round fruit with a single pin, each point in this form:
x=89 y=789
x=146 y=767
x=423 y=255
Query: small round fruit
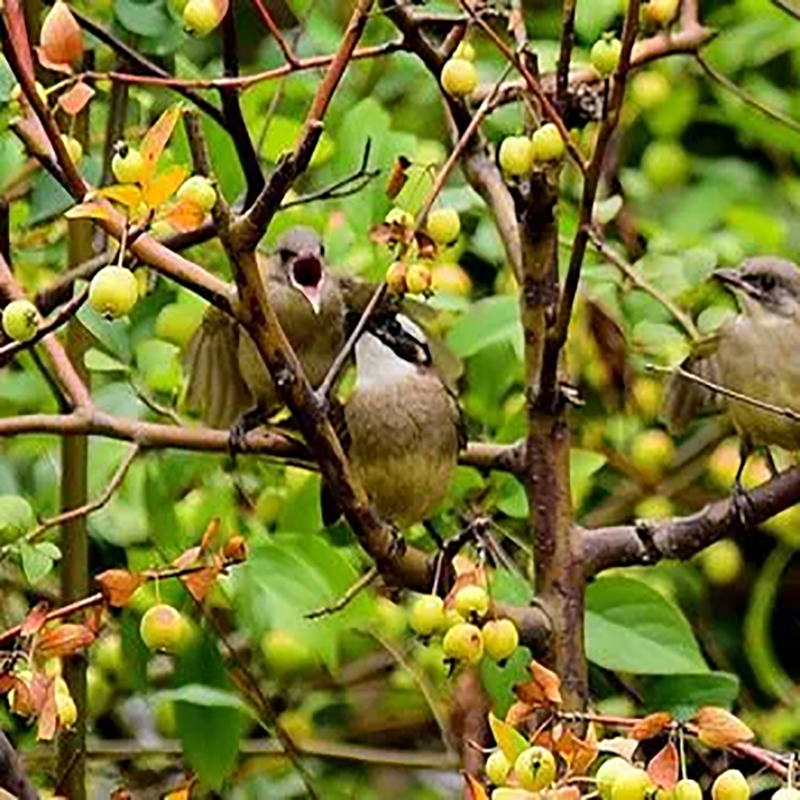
x=165 y=719
x=164 y=628
x=74 y=147
x=390 y=618
x=688 y=789
x=418 y=278
x=177 y=322
x=128 y=164
x=98 y=691
x=722 y=563
x=443 y=225
x=113 y=292
x=16 y=517
x=451 y=278
x=500 y=639
x=108 y=655
x=463 y=642
x=665 y=164
x=652 y=451
x=660 y=12
x=66 y=709
x=548 y=144
x=786 y=793
x=285 y=654
x=608 y=772
x=21 y=320
x=16 y=92
x=497 y=767
x=650 y=89
x=515 y=155
x=730 y=785
x=200 y=17
x=472 y=602
x=535 y=768
x=427 y=615
x=655 y=507
x=464 y=51
x=605 y=55
x=396 y=277
x=631 y=784
x=459 y=77
x=200 y=191
x=399 y=216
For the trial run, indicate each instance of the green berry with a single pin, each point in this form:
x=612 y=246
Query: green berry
x=463 y=642
x=605 y=55
x=665 y=164
x=108 y=655
x=730 y=785
x=390 y=618
x=164 y=628
x=500 y=639
x=74 y=147
x=535 y=768
x=16 y=517
x=113 y=292
x=660 y=12
x=464 y=51
x=177 y=322
x=497 y=767
x=548 y=144
x=399 y=216
x=443 y=225
x=20 y=320
x=128 y=164
x=427 y=615
x=286 y=655
x=652 y=451
x=515 y=155
x=722 y=563
x=200 y=191
x=472 y=602
x=459 y=77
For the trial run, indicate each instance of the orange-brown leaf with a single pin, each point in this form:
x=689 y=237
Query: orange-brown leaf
x=37 y=616
x=199 y=583
x=473 y=790
x=48 y=714
x=650 y=726
x=155 y=140
x=61 y=40
x=578 y=753
x=235 y=550
x=22 y=700
x=663 y=768
x=74 y=100
x=7 y=681
x=518 y=713
x=64 y=640
x=543 y=689
x=126 y=194
x=719 y=728
x=188 y=557
x=397 y=177
x=210 y=533
x=184 y=216
x=89 y=210
x=164 y=185
x=118 y=586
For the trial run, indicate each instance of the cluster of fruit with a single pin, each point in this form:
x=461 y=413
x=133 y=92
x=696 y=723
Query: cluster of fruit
x=518 y=155
x=468 y=634
x=459 y=75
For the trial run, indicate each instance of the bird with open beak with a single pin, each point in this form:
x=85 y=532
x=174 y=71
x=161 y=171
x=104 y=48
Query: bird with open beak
x=227 y=377
x=756 y=354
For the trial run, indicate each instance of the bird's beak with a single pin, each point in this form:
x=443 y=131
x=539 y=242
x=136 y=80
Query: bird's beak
x=308 y=277
x=732 y=278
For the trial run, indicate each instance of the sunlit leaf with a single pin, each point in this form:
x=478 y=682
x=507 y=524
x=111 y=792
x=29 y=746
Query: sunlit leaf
x=164 y=185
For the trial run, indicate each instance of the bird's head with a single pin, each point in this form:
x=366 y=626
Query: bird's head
x=301 y=255
x=391 y=348
x=764 y=285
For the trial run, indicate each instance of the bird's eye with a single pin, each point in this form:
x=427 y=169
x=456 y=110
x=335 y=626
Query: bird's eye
x=322 y=250
x=285 y=255
x=768 y=282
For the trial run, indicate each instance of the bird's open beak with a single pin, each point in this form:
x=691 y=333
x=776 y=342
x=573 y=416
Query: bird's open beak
x=733 y=280
x=307 y=276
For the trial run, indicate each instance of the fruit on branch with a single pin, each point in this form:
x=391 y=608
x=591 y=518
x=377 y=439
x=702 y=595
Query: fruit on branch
x=443 y=225
x=655 y=507
x=652 y=452
x=66 y=709
x=286 y=655
x=418 y=278
x=464 y=51
x=649 y=89
x=99 y=692
x=396 y=277
x=535 y=768
x=108 y=655
x=16 y=92
x=16 y=517
x=687 y=789
x=427 y=615
x=390 y=618
x=459 y=77
x=113 y=292
x=463 y=642
x=516 y=155
x=451 y=278
x=605 y=54
x=730 y=785
x=722 y=562
x=660 y=12
x=786 y=793
x=20 y=320
x=177 y=322
x=200 y=17
x=548 y=144
x=631 y=784
x=164 y=628
x=472 y=602
x=665 y=164
x=127 y=164
x=200 y=191
x=399 y=216
x=74 y=147
x=507 y=793
x=607 y=774
x=497 y=767
x=500 y=639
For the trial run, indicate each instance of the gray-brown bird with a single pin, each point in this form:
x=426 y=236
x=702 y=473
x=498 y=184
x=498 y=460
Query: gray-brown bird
x=227 y=378
x=756 y=354
x=402 y=426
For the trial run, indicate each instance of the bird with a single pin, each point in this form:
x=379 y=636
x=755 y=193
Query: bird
x=755 y=355
x=229 y=383
x=401 y=426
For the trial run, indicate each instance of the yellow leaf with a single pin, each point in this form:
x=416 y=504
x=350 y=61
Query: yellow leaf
x=508 y=739
x=164 y=185
x=184 y=216
x=89 y=210
x=155 y=140
x=126 y=194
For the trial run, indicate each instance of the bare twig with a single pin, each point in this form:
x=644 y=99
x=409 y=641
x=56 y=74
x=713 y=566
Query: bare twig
x=365 y=580
x=276 y=32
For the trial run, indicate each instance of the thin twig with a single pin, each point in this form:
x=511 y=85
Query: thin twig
x=276 y=32
x=787 y=6
x=365 y=580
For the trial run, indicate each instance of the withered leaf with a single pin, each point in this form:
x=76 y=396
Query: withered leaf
x=718 y=728
x=650 y=726
x=473 y=789
x=543 y=689
x=118 y=586
x=200 y=583
x=64 y=640
x=37 y=616
x=663 y=768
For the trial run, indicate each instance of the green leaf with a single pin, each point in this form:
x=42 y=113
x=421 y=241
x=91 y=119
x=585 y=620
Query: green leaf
x=97 y=361
x=630 y=627
x=198 y=694
x=113 y=335
x=282 y=136
x=36 y=563
x=143 y=18
x=489 y=321
x=583 y=464
x=683 y=695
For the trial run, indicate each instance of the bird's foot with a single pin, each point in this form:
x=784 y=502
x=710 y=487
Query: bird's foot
x=742 y=505
x=237 y=435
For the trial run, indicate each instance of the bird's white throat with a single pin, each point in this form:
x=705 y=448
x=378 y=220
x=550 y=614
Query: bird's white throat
x=378 y=365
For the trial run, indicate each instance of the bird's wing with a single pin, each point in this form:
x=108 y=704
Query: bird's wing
x=684 y=399
x=330 y=507
x=216 y=388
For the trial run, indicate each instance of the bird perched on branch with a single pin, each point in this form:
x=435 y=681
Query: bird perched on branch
x=756 y=354
x=401 y=426
x=227 y=377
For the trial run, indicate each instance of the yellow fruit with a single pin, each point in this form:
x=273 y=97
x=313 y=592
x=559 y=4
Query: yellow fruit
x=497 y=767
x=463 y=642
x=74 y=148
x=66 y=709
x=500 y=639
x=451 y=278
x=427 y=615
x=128 y=164
x=605 y=54
x=164 y=628
x=418 y=278
x=200 y=17
x=113 y=292
x=647 y=397
x=390 y=618
x=396 y=277
x=665 y=164
x=649 y=89
x=548 y=144
x=443 y=225
x=631 y=784
x=515 y=155
x=286 y=655
x=786 y=793
x=655 y=507
x=660 y=12
x=687 y=789
x=535 y=768
x=200 y=191
x=98 y=691
x=20 y=320
x=730 y=785
x=464 y=51
x=472 y=602
x=608 y=772
x=652 y=451
x=399 y=216
x=459 y=77
x=722 y=562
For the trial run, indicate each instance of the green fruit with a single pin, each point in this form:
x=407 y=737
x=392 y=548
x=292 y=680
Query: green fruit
x=98 y=692
x=299 y=724
x=650 y=89
x=722 y=563
x=399 y=216
x=605 y=55
x=108 y=655
x=160 y=366
x=535 y=768
x=687 y=789
x=515 y=155
x=74 y=147
x=200 y=17
x=390 y=618
x=451 y=278
x=164 y=628
x=652 y=451
x=497 y=767
x=631 y=784
x=20 y=320
x=200 y=191
x=427 y=615
x=730 y=785
x=16 y=517
x=665 y=164
x=548 y=144
x=459 y=77
x=164 y=719
x=113 y=292
x=128 y=164
x=500 y=639
x=655 y=507
x=647 y=397
x=443 y=225
x=286 y=655
x=608 y=772
x=463 y=642
x=472 y=602
x=177 y=322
